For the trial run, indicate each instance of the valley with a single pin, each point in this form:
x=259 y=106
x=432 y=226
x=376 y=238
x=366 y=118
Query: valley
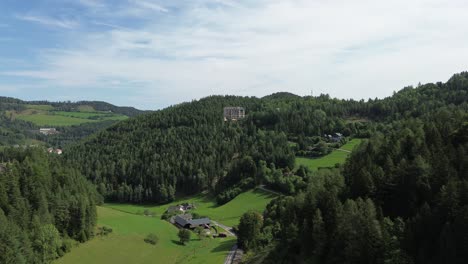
x=126 y=243
x=296 y=179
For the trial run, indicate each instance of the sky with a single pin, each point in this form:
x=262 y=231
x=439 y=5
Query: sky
x=154 y=53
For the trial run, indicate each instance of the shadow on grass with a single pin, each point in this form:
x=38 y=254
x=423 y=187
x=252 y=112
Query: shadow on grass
x=224 y=246
x=180 y=243
x=263 y=193
x=177 y=242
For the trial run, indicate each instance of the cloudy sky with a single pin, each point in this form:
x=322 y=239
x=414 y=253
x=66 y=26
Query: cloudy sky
x=154 y=53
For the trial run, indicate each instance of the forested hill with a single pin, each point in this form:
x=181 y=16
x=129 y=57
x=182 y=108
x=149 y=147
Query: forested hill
x=20 y=120
x=44 y=204
x=188 y=147
x=8 y=103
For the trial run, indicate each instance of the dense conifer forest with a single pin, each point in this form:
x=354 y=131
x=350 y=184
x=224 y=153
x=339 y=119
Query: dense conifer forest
x=400 y=197
x=44 y=205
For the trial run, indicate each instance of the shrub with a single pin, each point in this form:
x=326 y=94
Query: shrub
x=184 y=236
x=152 y=239
x=104 y=230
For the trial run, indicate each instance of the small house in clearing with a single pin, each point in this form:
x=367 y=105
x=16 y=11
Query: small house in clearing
x=56 y=151
x=186 y=221
x=335 y=137
x=48 y=131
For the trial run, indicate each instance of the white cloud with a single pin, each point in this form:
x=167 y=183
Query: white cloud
x=48 y=21
x=150 y=5
x=359 y=49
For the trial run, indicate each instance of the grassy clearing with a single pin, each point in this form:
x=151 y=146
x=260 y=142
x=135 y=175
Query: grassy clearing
x=335 y=157
x=86 y=108
x=63 y=118
x=40 y=107
x=79 y=114
x=227 y=214
x=126 y=244
x=41 y=119
x=92 y=115
x=351 y=144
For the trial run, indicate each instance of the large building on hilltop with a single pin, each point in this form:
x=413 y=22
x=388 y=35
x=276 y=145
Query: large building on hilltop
x=234 y=113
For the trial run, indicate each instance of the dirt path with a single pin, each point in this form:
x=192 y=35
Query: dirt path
x=231 y=255
x=262 y=187
x=227 y=228
x=344 y=150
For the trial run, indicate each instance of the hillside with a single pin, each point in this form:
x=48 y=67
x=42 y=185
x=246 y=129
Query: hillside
x=44 y=205
x=188 y=148
x=21 y=120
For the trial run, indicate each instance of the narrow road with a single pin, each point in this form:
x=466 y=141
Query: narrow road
x=227 y=228
x=231 y=255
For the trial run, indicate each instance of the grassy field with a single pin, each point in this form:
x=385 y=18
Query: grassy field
x=227 y=214
x=351 y=144
x=41 y=119
x=336 y=156
x=92 y=115
x=125 y=244
x=40 y=107
x=45 y=115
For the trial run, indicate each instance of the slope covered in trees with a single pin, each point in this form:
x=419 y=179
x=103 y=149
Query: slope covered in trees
x=43 y=205
x=189 y=148
x=400 y=197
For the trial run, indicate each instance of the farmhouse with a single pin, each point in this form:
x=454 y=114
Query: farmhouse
x=335 y=137
x=233 y=113
x=56 y=151
x=48 y=131
x=186 y=221
x=180 y=208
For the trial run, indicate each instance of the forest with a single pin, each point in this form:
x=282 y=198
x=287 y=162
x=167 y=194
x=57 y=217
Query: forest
x=399 y=198
x=45 y=205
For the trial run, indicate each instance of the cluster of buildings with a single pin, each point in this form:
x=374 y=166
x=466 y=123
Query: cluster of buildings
x=187 y=221
x=183 y=219
x=335 y=137
x=180 y=208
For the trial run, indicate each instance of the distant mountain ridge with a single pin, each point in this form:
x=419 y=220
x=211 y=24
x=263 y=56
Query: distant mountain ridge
x=97 y=105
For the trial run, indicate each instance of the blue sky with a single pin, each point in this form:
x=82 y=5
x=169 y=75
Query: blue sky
x=155 y=53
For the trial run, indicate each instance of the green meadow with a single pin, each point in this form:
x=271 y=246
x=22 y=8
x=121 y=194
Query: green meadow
x=227 y=214
x=39 y=107
x=335 y=157
x=351 y=144
x=44 y=119
x=126 y=243
x=45 y=115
